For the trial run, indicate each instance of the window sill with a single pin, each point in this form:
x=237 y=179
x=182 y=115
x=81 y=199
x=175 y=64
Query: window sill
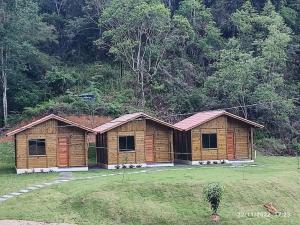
x=210 y=149
x=127 y=151
x=37 y=155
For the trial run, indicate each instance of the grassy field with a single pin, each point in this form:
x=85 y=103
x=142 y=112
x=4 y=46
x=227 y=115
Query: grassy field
x=166 y=197
x=9 y=181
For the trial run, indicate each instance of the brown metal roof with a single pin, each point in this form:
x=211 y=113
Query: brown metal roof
x=46 y=118
x=127 y=118
x=203 y=117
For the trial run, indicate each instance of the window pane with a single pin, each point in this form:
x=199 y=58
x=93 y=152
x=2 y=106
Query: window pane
x=213 y=141
x=209 y=141
x=41 y=147
x=122 y=143
x=205 y=140
x=130 y=142
x=126 y=143
x=32 y=147
x=37 y=147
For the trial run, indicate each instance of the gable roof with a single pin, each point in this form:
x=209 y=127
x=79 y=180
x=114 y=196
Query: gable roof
x=46 y=118
x=203 y=117
x=127 y=118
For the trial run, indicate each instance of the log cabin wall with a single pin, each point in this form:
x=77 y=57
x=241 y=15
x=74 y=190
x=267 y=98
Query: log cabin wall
x=162 y=144
x=77 y=141
x=220 y=126
x=47 y=131
x=135 y=128
x=163 y=141
x=242 y=138
x=51 y=130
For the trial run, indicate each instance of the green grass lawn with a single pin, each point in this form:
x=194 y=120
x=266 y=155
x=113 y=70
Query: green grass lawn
x=166 y=197
x=9 y=180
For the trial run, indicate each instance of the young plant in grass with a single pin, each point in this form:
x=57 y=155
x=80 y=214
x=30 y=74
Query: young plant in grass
x=124 y=167
x=213 y=194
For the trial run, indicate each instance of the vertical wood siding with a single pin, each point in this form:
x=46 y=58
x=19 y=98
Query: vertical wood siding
x=140 y=128
x=242 y=144
x=50 y=131
x=162 y=141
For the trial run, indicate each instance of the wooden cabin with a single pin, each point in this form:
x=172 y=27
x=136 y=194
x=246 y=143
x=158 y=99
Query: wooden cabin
x=135 y=140
x=214 y=136
x=51 y=143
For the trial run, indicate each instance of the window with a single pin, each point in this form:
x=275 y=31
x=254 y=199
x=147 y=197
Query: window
x=209 y=141
x=37 y=147
x=126 y=143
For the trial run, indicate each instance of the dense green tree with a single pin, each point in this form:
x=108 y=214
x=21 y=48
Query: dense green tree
x=139 y=33
x=163 y=56
x=251 y=69
x=204 y=46
x=22 y=29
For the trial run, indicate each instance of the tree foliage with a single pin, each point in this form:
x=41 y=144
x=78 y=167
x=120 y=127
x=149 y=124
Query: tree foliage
x=161 y=56
x=213 y=194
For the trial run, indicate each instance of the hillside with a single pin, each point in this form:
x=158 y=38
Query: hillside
x=169 y=58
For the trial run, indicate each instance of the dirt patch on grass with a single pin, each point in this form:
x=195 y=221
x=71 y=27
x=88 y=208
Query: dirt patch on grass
x=23 y=222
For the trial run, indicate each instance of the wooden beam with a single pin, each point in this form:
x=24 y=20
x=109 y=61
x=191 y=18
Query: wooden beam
x=135 y=145
x=251 y=142
x=86 y=149
x=171 y=145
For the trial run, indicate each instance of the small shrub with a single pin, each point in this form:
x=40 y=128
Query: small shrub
x=208 y=162
x=223 y=162
x=215 y=162
x=213 y=194
x=138 y=166
x=124 y=167
x=201 y=163
x=117 y=167
x=131 y=166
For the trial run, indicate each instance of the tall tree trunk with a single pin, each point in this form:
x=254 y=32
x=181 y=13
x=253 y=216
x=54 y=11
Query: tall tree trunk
x=4 y=87
x=142 y=88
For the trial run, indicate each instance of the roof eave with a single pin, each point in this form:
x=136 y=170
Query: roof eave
x=46 y=118
x=257 y=125
x=137 y=116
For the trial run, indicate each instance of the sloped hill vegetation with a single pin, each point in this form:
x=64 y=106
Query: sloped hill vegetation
x=168 y=58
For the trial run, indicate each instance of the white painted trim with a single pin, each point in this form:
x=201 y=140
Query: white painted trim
x=240 y=161
x=72 y=169
x=159 y=164
x=142 y=165
x=113 y=166
x=204 y=162
x=51 y=169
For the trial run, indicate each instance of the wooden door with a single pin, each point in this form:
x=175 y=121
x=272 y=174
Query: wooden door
x=63 y=151
x=149 y=148
x=230 y=145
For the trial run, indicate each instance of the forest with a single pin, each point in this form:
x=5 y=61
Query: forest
x=169 y=58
